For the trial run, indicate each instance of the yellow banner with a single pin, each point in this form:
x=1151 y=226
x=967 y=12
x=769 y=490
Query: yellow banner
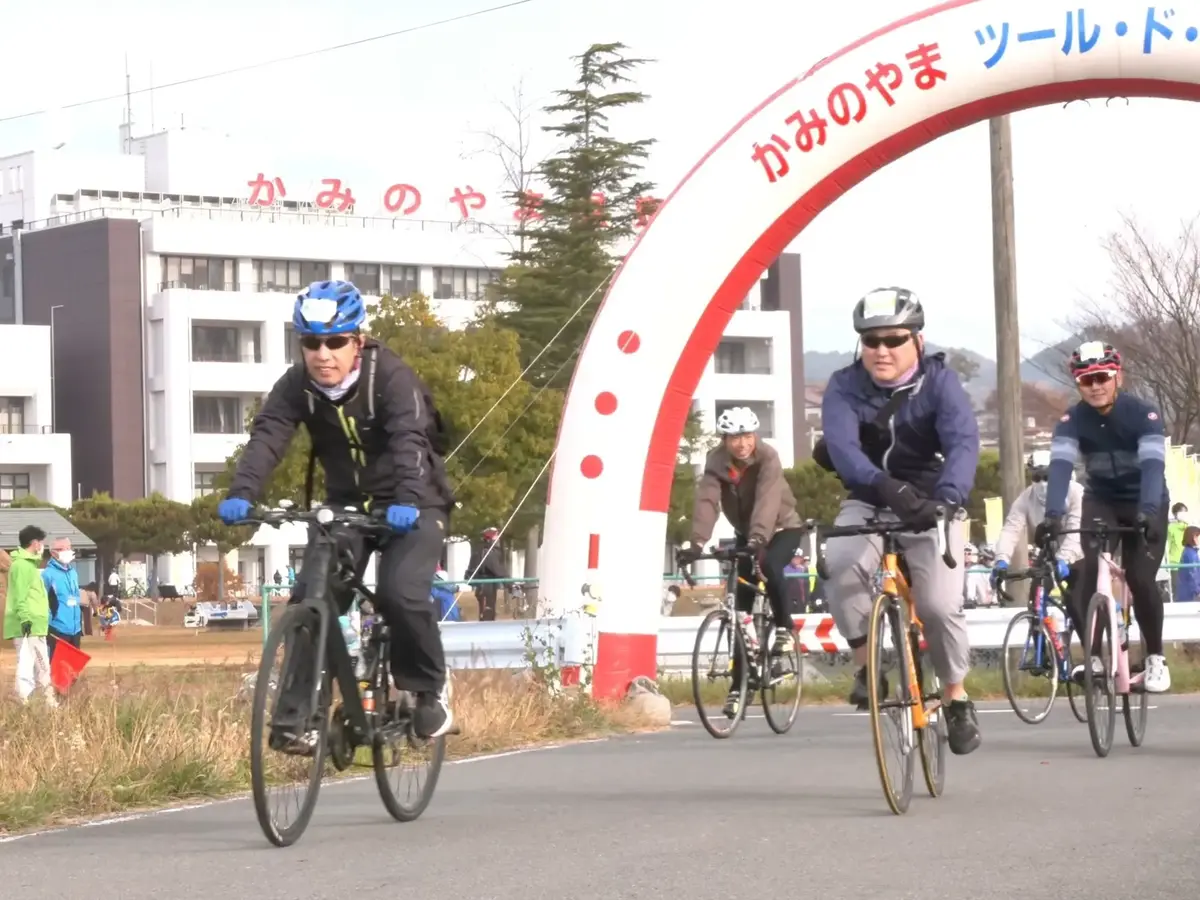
x=994 y=518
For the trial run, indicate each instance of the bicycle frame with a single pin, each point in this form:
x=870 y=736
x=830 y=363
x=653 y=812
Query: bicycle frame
x=1119 y=664
x=896 y=585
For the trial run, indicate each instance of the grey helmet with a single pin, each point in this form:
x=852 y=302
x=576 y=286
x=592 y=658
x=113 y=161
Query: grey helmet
x=892 y=307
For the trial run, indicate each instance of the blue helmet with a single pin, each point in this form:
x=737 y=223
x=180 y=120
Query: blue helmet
x=329 y=307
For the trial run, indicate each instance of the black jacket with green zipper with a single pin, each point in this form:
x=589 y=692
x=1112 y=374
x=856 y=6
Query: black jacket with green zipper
x=381 y=444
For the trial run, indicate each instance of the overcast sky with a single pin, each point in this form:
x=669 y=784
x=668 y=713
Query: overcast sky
x=411 y=104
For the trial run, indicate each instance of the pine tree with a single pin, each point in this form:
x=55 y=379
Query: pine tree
x=574 y=232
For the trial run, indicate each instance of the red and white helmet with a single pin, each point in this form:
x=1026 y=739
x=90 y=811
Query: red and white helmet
x=491 y=533
x=1094 y=356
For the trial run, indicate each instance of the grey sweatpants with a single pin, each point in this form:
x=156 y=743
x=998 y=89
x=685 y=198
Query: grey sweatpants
x=937 y=590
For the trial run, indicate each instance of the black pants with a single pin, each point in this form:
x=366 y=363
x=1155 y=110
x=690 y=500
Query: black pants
x=53 y=637
x=485 y=594
x=776 y=557
x=1140 y=560
x=404 y=589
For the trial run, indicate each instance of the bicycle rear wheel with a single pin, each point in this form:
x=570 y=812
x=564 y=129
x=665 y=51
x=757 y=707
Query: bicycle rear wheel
x=1135 y=707
x=781 y=686
x=935 y=736
x=1098 y=689
x=275 y=769
x=397 y=747
x=888 y=661
x=721 y=644
x=1028 y=650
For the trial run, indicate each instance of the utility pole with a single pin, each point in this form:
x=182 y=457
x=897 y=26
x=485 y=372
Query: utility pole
x=1008 y=340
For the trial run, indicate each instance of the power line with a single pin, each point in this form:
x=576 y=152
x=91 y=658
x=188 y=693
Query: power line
x=271 y=62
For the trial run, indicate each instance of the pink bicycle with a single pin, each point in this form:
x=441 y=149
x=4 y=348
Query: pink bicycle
x=1116 y=676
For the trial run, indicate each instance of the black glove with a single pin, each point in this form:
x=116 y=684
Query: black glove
x=685 y=556
x=1149 y=530
x=1047 y=531
x=912 y=507
x=26 y=629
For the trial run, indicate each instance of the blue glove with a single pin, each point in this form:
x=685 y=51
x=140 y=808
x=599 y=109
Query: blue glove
x=402 y=518
x=1063 y=569
x=233 y=509
x=998 y=569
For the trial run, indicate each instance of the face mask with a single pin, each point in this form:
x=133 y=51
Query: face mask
x=1039 y=493
x=66 y=557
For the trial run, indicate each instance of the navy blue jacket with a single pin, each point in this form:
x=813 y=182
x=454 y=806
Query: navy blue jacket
x=1124 y=456
x=933 y=441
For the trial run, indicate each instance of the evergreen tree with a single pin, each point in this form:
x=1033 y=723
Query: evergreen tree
x=573 y=233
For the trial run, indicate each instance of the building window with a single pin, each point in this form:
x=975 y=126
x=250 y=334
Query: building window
x=205 y=483
x=217 y=415
x=743 y=356
x=12 y=415
x=462 y=284
x=730 y=358
x=400 y=281
x=13 y=486
x=199 y=273
x=291 y=345
x=365 y=277
x=214 y=343
x=288 y=275
x=8 y=302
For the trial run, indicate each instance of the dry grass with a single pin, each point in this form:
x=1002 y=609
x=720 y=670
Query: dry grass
x=152 y=737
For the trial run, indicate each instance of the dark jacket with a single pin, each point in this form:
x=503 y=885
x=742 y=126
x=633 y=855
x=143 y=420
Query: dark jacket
x=757 y=500
x=931 y=441
x=381 y=444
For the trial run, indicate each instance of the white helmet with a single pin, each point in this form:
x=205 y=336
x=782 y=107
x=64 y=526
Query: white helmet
x=1038 y=459
x=738 y=420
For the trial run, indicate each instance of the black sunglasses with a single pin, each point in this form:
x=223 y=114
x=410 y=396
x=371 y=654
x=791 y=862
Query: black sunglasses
x=333 y=341
x=891 y=341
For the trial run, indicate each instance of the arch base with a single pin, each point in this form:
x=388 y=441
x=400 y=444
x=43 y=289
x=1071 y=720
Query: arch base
x=621 y=658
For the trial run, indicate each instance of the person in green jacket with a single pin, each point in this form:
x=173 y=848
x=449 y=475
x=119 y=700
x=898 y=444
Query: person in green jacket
x=1175 y=529
x=27 y=615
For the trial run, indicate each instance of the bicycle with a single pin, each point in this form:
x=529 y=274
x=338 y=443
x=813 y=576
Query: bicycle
x=748 y=648
x=1117 y=676
x=370 y=713
x=1046 y=651
x=917 y=708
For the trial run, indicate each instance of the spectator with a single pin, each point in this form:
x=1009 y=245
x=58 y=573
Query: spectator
x=1175 y=529
x=114 y=584
x=62 y=589
x=278 y=578
x=1187 y=587
x=487 y=561
x=27 y=617
x=89 y=600
x=670 y=598
x=444 y=595
x=797 y=584
x=977 y=586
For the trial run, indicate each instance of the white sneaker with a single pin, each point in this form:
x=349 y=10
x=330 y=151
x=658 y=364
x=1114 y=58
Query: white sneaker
x=1097 y=669
x=1158 y=677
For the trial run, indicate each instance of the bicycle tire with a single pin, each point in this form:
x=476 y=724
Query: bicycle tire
x=296 y=619
x=738 y=650
x=1036 y=628
x=1074 y=697
x=935 y=736
x=1135 y=720
x=781 y=725
x=886 y=609
x=1097 y=617
x=399 y=811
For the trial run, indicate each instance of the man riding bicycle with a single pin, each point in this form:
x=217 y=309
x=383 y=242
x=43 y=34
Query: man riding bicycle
x=1121 y=441
x=900 y=432
x=379 y=439
x=743 y=478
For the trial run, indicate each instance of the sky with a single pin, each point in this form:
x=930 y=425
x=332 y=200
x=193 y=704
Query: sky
x=419 y=103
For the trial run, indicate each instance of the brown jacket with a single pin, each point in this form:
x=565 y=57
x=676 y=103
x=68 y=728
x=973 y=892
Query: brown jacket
x=757 y=504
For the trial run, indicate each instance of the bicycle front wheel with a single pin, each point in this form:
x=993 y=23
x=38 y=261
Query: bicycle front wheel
x=720 y=651
x=1135 y=707
x=781 y=686
x=398 y=750
x=1099 y=691
x=299 y=627
x=1030 y=668
x=889 y=663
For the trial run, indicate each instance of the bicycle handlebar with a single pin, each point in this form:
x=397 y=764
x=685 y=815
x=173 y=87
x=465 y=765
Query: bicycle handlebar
x=876 y=527
x=322 y=516
x=731 y=554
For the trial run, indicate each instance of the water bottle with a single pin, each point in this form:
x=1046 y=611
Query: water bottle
x=749 y=630
x=1122 y=632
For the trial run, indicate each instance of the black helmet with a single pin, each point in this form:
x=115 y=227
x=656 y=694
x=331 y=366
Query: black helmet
x=892 y=307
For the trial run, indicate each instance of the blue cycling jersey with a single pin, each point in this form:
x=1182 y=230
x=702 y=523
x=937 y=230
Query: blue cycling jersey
x=1124 y=456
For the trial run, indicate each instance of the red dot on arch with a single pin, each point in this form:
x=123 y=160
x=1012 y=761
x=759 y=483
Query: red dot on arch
x=591 y=466
x=628 y=342
x=606 y=403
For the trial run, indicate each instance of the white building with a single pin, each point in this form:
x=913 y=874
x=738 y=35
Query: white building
x=218 y=278
x=34 y=460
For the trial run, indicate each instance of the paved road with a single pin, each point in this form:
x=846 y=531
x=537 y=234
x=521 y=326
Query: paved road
x=679 y=814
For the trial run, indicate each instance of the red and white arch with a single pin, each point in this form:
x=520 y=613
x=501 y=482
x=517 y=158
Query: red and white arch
x=668 y=306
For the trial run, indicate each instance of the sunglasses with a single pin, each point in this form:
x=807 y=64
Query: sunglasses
x=333 y=342
x=1093 y=378
x=891 y=341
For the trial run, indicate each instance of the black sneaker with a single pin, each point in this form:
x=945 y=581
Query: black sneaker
x=962 y=725
x=292 y=741
x=432 y=718
x=859 y=697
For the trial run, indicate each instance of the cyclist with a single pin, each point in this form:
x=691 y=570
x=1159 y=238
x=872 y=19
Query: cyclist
x=901 y=434
x=379 y=439
x=743 y=478
x=1121 y=441
x=1027 y=513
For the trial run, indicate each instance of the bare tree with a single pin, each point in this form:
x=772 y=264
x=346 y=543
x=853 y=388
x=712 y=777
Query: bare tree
x=510 y=145
x=1153 y=317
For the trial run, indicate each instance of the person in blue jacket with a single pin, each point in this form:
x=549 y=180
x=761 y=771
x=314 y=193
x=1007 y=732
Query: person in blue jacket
x=900 y=432
x=443 y=595
x=62 y=587
x=1189 y=579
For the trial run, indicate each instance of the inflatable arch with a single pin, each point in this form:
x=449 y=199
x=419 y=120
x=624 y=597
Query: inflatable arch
x=793 y=155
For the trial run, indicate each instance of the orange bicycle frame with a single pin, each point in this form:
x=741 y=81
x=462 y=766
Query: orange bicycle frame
x=895 y=584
